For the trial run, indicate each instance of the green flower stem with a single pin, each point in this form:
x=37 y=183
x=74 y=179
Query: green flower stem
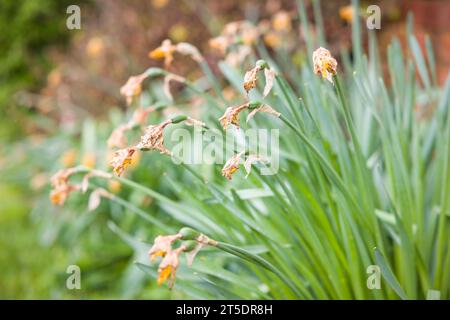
x=244 y=254
x=332 y=173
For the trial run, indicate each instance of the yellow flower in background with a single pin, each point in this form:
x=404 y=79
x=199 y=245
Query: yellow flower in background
x=114 y=186
x=346 y=13
x=178 y=32
x=158 y=4
x=95 y=46
x=89 y=160
x=281 y=21
x=69 y=158
x=324 y=64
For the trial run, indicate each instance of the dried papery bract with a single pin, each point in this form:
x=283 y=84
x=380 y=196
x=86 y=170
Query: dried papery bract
x=194 y=122
x=122 y=159
x=162 y=245
x=231 y=115
x=96 y=196
x=133 y=87
x=167 y=79
x=201 y=242
x=189 y=50
x=264 y=108
x=153 y=138
x=324 y=64
x=232 y=165
x=252 y=158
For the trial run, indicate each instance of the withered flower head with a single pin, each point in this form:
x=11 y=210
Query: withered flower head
x=122 y=159
x=232 y=165
x=58 y=195
x=162 y=245
x=324 y=64
x=231 y=115
x=153 y=138
x=250 y=77
x=169 y=265
x=164 y=51
x=252 y=158
x=60 y=185
x=133 y=87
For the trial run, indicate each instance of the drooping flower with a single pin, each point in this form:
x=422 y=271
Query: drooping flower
x=167 y=49
x=61 y=188
x=58 y=195
x=250 y=77
x=122 y=158
x=153 y=138
x=232 y=165
x=231 y=115
x=164 y=51
x=133 y=87
x=324 y=64
x=162 y=245
x=169 y=265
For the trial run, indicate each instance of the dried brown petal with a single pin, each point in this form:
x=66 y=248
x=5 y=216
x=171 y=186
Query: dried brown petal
x=153 y=138
x=324 y=64
x=122 y=159
x=263 y=108
x=232 y=165
x=231 y=116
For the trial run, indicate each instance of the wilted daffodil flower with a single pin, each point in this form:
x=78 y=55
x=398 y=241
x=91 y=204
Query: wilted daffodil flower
x=167 y=49
x=162 y=245
x=231 y=115
x=324 y=64
x=122 y=158
x=192 y=243
x=61 y=188
x=250 y=77
x=133 y=87
x=232 y=165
